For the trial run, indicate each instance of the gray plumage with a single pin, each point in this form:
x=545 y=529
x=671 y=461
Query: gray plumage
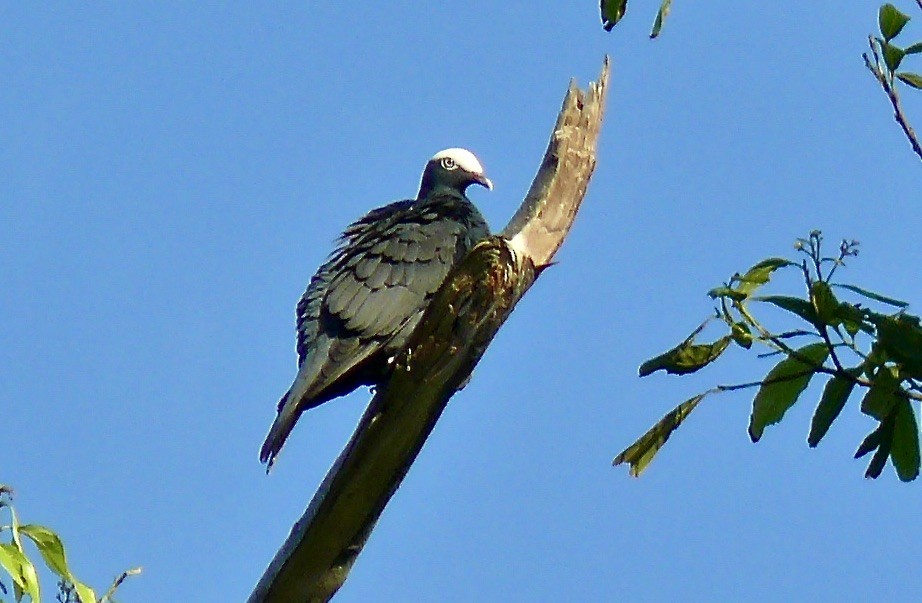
x=364 y=301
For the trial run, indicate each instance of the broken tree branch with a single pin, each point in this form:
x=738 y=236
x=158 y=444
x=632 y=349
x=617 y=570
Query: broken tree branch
x=458 y=325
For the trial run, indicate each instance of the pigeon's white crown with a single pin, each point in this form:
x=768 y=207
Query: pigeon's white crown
x=463 y=158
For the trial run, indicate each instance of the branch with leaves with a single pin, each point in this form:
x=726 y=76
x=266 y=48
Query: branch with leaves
x=854 y=346
x=884 y=61
x=22 y=573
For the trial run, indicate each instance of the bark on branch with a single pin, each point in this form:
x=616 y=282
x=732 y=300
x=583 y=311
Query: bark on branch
x=476 y=298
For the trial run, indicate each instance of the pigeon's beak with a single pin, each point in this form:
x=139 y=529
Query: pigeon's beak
x=484 y=181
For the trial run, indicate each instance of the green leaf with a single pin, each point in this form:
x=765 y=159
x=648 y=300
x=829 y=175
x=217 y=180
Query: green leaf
x=20 y=570
x=741 y=334
x=882 y=396
x=905 y=449
x=915 y=48
x=871 y=295
x=639 y=454
x=50 y=546
x=612 y=12
x=901 y=338
x=910 y=79
x=727 y=292
x=759 y=274
x=891 y=21
x=883 y=451
x=853 y=318
x=795 y=305
x=686 y=357
x=86 y=594
x=824 y=303
x=783 y=385
x=871 y=442
x=661 y=15
x=835 y=394
x=893 y=56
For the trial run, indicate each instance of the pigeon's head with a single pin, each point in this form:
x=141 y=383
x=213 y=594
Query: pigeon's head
x=453 y=168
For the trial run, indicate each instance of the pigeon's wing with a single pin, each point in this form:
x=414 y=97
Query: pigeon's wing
x=309 y=306
x=384 y=275
x=365 y=300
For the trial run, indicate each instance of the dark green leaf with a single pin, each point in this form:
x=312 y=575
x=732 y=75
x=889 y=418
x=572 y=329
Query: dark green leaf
x=911 y=79
x=795 y=305
x=883 y=451
x=741 y=334
x=824 y=303
x=639 y=454
x=759 y=274
x=835 y=394
x=853 y=318
x=612 y=12
x=870 y=442
x=893 y=56
x=661 y=17
x=875 y=296
x=901 y=337
x=891 y=21
x=905 y=450
x=883 y=395
x=783 y=385
x=915 y=48
x=727 y=292
x=686 y=357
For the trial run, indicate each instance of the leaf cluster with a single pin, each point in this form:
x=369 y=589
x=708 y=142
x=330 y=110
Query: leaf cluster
x=890 y=22
x=853 y=347
x=23 y=576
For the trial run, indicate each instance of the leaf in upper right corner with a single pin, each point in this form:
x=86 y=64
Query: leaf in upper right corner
x=639 y=454
x=891 y=21
x=783 y=385
x=910 y=79
x=914 y=48
x=661 y=15
x=612 y=11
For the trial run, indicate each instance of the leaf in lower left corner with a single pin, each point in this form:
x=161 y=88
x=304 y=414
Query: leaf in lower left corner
x=639 y=454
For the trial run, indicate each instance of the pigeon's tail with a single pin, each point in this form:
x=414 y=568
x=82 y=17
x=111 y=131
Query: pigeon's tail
x=281 y=427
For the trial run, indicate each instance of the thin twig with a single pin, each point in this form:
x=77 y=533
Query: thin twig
x=888 y=87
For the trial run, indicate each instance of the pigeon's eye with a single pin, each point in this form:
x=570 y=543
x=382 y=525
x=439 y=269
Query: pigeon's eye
x=448 y=163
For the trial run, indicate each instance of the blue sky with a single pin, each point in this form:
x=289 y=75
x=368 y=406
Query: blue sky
x=173 y=174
